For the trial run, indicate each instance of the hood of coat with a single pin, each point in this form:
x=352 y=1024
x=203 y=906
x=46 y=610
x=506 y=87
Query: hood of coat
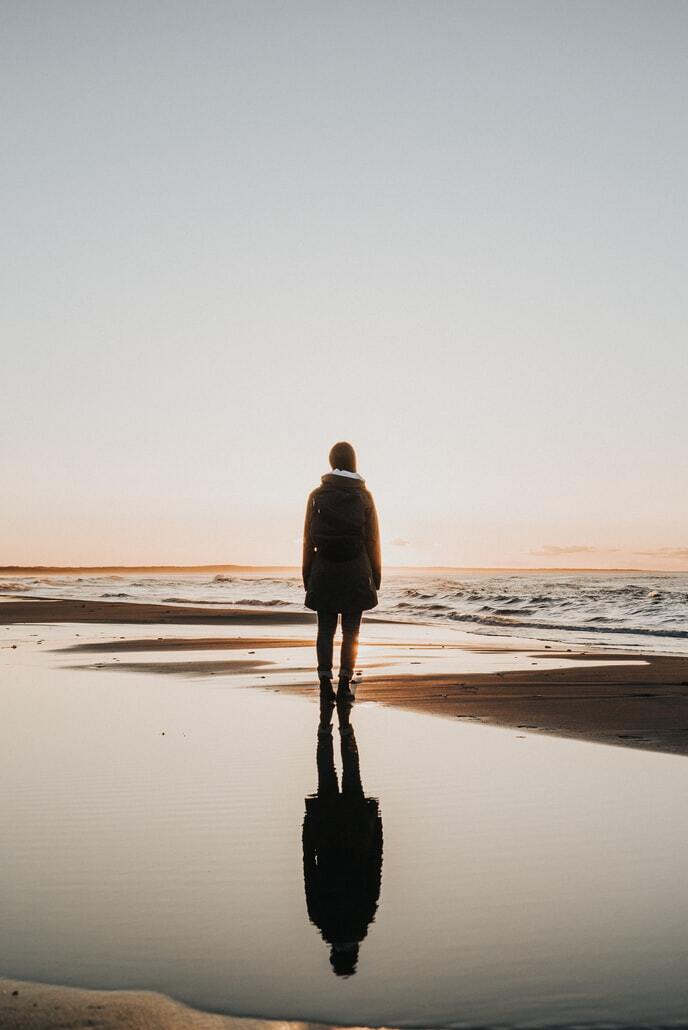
x=342 y=482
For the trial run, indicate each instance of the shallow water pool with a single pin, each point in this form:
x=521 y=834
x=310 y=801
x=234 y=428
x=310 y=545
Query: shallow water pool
x=153 y=837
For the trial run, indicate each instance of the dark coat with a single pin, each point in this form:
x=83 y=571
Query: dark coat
x=342 y=865
x=342 y=562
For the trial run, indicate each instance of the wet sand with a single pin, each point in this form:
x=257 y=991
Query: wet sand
x=29 y=1006
x=641 y=706
x=51 y=610
x=625 y=699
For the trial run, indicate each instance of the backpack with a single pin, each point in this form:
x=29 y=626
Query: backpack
x=338 y=523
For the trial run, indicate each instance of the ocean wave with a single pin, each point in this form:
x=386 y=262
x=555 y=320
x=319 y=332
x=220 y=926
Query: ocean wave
x=504 y=621
x=156 y=582
x=595 y=607
x=526 y=610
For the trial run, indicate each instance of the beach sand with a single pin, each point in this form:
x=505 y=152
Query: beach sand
x=56 y=610
x=30 y=1006
x=624 y=699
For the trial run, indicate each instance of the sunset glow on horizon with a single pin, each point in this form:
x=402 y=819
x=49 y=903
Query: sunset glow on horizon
x=454 y=235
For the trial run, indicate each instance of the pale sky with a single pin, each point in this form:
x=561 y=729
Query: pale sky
x=453 y=233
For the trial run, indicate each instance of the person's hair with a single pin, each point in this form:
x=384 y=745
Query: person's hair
x=343 y=456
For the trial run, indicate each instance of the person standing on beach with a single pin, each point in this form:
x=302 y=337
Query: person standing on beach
x=342 y=564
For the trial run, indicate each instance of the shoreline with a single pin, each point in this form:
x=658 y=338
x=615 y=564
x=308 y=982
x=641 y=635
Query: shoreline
x=628 y=699
x=55 y=610
x=31 y=1005
x=20 y=610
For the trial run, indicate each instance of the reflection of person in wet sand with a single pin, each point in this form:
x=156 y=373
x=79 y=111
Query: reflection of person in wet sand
x=342 y=846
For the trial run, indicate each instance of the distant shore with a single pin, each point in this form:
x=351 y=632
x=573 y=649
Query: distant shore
x=53 y=570
x=30 y=570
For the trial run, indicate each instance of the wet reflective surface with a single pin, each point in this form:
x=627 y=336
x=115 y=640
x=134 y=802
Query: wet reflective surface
x=215 y=842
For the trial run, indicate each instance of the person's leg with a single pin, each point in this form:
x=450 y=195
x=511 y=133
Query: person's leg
x=327 y=624
x=351 y=767
x=351 y=623
x=328 y=784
